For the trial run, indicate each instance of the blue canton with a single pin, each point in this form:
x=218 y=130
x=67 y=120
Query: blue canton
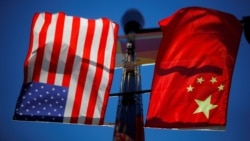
x=41 y=102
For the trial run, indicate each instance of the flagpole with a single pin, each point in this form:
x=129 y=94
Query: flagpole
x=129 y=116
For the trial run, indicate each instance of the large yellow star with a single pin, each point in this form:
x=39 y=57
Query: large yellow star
x=204 y=106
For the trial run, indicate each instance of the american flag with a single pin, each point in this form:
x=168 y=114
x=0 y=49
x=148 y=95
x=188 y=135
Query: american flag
x=68 y=69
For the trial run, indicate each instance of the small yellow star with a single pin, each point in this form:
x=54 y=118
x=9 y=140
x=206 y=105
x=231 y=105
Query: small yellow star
x=213 y=80
x=190 y=88
x=221 y=87
x=200 y=80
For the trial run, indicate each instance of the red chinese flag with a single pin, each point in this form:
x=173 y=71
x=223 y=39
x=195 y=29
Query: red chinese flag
x=193 y=70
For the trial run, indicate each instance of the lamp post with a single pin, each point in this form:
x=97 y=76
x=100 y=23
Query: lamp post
x=129 y=116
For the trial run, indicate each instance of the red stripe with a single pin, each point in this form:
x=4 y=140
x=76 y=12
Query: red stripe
x=26 y=62
x=111 y=74
x=41 y=48
x=71 y=51
x=56 y=48
x=99 y=72
x=83 y=71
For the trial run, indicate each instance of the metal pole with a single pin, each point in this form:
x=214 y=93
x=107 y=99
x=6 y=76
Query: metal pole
x=129 y=116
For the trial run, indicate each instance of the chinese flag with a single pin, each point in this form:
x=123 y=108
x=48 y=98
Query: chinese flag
x=193 y=69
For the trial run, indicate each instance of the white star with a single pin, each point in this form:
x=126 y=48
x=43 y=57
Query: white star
x=190 y=88
x=213 y=80
x=204 y=106
x=200 y=80
x=221 y=87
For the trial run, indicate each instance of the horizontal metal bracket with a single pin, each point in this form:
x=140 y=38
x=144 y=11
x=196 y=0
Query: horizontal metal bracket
x=129 y=93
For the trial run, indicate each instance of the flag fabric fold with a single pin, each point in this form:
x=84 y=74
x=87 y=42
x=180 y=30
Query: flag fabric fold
x=68 y=70
x=193 y=69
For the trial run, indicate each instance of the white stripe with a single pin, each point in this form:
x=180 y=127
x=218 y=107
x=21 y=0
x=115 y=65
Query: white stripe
x=91 y=70
x=48 y=49
x=105 y=76
x=32 y=58
x=76 y=69
x=64 y=50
